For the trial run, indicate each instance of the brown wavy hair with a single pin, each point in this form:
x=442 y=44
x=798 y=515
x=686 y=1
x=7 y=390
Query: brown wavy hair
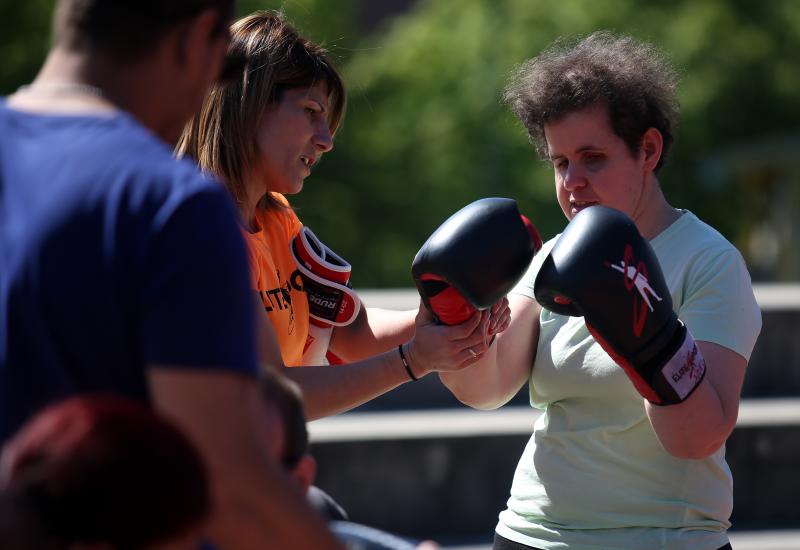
x=633 y=79
x=222 y=136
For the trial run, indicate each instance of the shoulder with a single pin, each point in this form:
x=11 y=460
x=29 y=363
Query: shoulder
x=711 y=286
x=279 y=214
x=695 y=247
x=145 y=175
x=150 y=162
x=703 y=235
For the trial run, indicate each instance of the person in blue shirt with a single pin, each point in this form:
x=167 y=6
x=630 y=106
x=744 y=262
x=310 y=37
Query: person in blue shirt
x=123 y=271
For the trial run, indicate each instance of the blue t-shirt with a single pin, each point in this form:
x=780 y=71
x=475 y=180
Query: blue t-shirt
x=113 y=255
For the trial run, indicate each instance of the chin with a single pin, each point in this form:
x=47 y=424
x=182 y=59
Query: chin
x=288 y=188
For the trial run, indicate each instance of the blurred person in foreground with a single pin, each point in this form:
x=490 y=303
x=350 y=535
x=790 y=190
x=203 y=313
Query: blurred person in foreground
x=633 y=328
x=284 y=416
x=123 y=271
x=261 y=134
x=285 y=423
x=101 y=471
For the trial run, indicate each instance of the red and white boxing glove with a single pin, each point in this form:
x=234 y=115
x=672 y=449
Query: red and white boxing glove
x=474 y=259
x=331 y=300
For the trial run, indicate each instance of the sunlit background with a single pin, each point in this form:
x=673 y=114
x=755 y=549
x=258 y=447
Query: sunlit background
x=426 y=131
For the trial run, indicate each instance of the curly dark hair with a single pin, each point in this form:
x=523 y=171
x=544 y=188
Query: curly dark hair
x=633 y=79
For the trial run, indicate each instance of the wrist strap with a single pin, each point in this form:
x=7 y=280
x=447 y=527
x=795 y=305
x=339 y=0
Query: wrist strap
x=405 y=363
x=682 y=373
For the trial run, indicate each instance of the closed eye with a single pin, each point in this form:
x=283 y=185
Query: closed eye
x=593 y=158
x=314 y=108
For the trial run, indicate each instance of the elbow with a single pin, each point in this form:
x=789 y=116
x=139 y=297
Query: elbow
x=692 y=452
x=476 y=400
x=692 y=434
x=482 y=405
x=693 y=446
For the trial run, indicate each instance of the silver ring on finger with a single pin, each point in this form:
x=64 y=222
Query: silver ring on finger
x=472 y=352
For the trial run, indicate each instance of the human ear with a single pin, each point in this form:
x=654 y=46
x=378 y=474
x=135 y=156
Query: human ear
x=652 y=148
x=305 y=471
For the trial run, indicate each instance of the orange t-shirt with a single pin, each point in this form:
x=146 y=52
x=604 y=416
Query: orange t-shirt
x=276 y=279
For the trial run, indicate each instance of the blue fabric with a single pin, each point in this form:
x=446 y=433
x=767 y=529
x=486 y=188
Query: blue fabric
x=112 y=256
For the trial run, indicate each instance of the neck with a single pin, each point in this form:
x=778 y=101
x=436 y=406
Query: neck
x=247 y=208
x=77 y=82
x=254 y=190
x=70 y=82
x=656 y=213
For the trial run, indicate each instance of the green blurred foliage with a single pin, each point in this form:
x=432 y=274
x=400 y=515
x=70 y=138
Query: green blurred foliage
x=426 y=131
x=24 y=39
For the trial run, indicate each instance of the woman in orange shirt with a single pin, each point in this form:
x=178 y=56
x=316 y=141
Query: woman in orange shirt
x=261 y=135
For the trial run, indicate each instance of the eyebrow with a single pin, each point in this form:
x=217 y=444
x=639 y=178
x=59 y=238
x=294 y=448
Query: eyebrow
x=581 y=149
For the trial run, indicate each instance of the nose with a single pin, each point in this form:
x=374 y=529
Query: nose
x=323 y=140
x=573 y=177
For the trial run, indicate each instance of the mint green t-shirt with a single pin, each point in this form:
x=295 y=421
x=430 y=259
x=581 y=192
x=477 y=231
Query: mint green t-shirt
x=593 y=475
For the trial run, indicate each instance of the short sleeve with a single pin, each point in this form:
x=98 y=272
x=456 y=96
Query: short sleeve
x=197 y=306
x=719 y=304
x=525 y=285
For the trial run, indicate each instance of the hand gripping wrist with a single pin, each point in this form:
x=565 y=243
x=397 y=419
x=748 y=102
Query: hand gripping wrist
x=474 y=259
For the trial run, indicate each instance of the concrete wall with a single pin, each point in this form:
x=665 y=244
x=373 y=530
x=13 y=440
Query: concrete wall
x=452 y=488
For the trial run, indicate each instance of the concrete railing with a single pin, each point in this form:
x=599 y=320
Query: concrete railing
x=772 y=296
x=514 y=420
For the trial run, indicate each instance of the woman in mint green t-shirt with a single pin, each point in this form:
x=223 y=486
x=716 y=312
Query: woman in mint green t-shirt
x=606 y=468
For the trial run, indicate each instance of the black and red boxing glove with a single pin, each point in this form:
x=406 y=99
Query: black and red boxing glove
x=331 y=301
x=601 y=268
x=474 y=259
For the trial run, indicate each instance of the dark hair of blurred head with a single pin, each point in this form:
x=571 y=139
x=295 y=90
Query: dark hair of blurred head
x=99 y=470
x=127 y=29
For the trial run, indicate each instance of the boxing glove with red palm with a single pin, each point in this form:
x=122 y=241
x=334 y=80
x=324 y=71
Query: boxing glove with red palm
x=474 y=259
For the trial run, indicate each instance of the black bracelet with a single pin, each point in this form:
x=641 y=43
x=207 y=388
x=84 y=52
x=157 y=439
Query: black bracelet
x=405 y=363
